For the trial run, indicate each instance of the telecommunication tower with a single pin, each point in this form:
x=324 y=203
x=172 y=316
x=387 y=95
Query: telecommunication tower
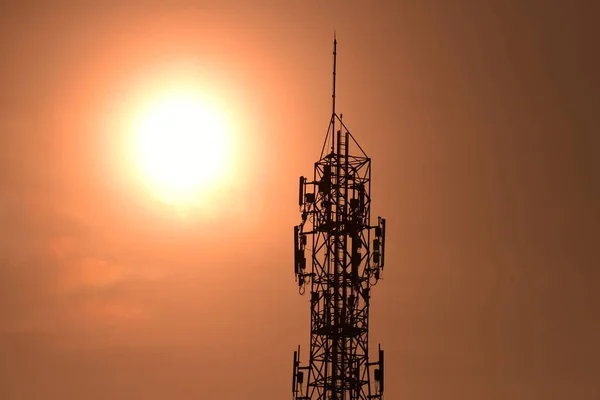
x=347 y=258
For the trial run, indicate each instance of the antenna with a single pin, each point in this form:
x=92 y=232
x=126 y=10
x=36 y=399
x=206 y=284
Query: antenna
x=334 y=70
x=333 y=115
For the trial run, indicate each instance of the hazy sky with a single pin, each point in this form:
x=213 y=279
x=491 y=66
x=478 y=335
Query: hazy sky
x=480 y=118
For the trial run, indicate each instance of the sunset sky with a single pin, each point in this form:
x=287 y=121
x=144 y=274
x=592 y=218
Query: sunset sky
x=481 y=118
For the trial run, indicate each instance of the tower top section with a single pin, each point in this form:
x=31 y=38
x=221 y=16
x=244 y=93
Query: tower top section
x=335 y=122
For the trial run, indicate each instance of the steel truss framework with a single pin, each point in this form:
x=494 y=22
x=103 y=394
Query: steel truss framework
x=347 y=256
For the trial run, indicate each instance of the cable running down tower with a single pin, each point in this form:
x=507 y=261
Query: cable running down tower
x=347 y=257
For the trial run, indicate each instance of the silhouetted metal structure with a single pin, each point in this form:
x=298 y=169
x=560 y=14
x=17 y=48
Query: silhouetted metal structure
x=347 y=255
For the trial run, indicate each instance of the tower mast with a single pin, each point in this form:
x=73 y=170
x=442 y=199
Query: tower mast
x=347 y=257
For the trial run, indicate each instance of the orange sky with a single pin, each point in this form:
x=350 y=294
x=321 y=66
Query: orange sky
x=481 y=124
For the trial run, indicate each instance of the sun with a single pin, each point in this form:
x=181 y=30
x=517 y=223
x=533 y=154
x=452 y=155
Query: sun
x=180 y=146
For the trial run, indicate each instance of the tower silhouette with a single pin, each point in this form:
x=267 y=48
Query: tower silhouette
x=347 y=256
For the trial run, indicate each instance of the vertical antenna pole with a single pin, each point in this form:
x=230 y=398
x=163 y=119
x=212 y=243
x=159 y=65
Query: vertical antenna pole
x=333 y=95
x=334 y=68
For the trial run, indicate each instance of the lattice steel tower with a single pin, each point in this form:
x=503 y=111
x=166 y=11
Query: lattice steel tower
x=347 y=255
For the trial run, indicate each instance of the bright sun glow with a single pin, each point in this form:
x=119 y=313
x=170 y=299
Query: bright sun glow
x=181 y=146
